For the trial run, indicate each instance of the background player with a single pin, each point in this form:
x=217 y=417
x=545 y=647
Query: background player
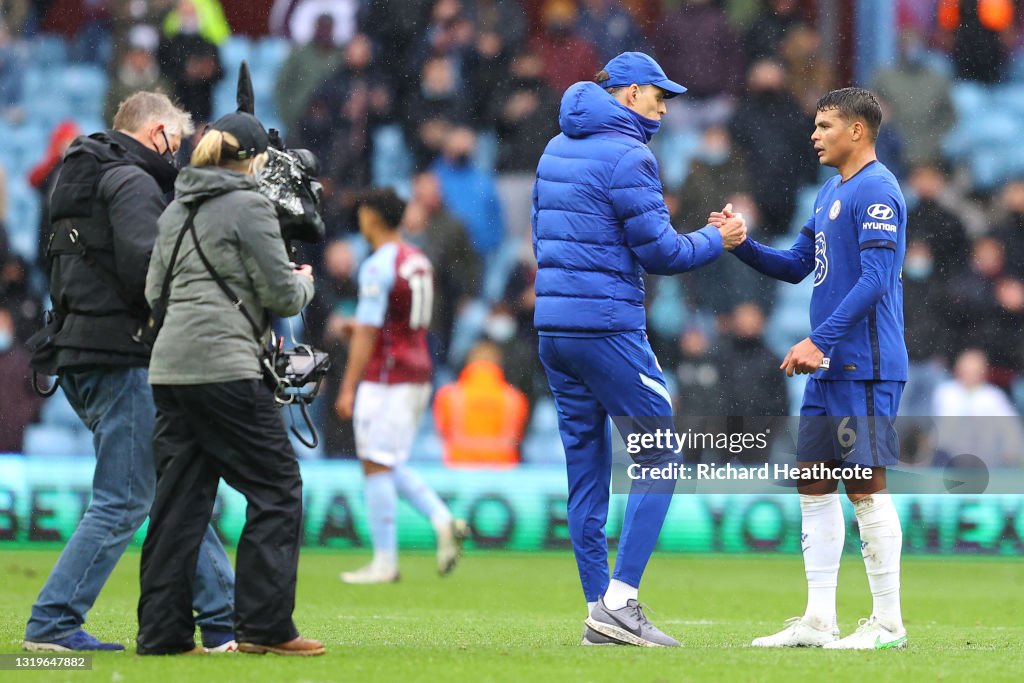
x=389 y=363
x=854 y=242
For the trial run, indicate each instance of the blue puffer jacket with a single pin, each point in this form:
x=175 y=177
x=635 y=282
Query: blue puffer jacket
x=600 y=220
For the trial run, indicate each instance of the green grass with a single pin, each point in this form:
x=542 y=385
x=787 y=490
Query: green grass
x=508 y=617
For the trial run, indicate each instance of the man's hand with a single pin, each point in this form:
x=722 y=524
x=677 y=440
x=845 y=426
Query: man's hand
x=305 y=270
x=731 y=227
x=803 y=359
x=345 y=404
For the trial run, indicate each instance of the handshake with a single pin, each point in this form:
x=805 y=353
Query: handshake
x=731 y=227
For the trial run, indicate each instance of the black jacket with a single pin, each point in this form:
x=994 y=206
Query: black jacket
x=108 y=196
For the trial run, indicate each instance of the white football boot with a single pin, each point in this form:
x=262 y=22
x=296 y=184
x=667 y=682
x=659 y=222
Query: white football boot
x=798 y=633
x=871 y=635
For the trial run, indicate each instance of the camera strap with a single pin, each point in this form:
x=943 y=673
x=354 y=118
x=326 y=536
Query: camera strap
x=165 y=290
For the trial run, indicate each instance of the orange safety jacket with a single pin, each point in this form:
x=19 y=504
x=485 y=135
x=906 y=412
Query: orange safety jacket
x=480 y=418
x=995 y=15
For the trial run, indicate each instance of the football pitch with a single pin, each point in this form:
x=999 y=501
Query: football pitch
x=518 y=617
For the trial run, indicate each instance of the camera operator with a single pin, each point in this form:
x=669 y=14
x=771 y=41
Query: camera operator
x=104 y=209
x=215 y=417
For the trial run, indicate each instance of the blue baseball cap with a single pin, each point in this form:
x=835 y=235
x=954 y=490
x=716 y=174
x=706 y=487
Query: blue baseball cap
x=636 y=67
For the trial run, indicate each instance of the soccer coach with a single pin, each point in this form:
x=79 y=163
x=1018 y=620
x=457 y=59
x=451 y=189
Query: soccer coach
x=599 y=222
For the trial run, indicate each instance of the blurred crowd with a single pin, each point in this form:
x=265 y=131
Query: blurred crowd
x=470 y=89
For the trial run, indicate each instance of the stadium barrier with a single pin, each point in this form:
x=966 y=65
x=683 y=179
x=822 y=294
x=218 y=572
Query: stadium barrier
x=42 y=500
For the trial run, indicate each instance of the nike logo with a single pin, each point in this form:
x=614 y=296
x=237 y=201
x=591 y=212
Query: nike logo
x=623 y=625
x=879 y=645
x=818 y=210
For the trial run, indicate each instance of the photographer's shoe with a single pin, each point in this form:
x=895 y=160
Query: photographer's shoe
x=296 y=647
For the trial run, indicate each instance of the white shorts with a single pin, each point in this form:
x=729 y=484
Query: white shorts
x=386 y=418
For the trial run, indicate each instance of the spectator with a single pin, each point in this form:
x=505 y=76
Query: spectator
x=767 y=32
x=889 y=145
x=334 y=302
x=775 y=136
x=307 y=67
x=511 y=324
x=979 y=31
x=928 y=339
x=749 y=379
x=999 y=441
x=297 y=19
x=471 y=193
x=441 y=236
x=810 y=75
x=125 y=15
x=709 y=70
x=342 y=113
x=500 y=28
x=11 y=72
x=609 y=28
x=918 y=99
x=431 y=112
x=1010 y=230
x=42 y=177
x=448 y=35
x=16 y=294
x=192 y=63
x=481 y=418
x=137 y=70
x=985 y=309
x=935 y=224
x=21 y=404
x=526 y=112
x=720 y=287
x=719 y=169
x=202 y=17
x=567 y=56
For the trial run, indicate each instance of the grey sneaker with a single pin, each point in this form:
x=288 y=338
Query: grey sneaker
x=592 y=637
x=628 y=625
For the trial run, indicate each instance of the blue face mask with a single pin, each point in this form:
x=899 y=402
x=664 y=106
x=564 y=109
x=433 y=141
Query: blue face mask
x=917 y=268
x=648 y=126
x=6 y=341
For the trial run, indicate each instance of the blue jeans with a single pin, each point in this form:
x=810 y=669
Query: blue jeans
x=116 y=404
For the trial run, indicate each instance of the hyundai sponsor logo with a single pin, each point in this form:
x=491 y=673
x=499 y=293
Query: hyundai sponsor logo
x=881 y=212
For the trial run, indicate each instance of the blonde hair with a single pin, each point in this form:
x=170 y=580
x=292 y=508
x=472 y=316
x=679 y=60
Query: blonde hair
x=144 y=108
x=211 y=148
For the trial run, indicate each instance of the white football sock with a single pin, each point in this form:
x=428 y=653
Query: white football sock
x=881 y=544
x=412 y=487
x=381 y=510
x=823 y=533
x=618 y=593
x=590 y=607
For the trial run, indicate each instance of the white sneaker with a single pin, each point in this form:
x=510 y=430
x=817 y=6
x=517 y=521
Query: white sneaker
x=449 y=545
x=230 y=646
x=871 y=635
x=371 y=573
x=798 y=633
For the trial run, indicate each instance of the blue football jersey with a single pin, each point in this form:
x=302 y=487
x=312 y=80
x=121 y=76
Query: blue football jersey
x=867 y=211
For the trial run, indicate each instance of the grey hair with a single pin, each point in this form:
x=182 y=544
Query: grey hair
x=146 y=107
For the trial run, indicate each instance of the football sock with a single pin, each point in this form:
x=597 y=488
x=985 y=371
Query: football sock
x=823 y=533
x=590 y=607
x=381 y=509
x=881 y=544
x=618 y=593
x=412 y=487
